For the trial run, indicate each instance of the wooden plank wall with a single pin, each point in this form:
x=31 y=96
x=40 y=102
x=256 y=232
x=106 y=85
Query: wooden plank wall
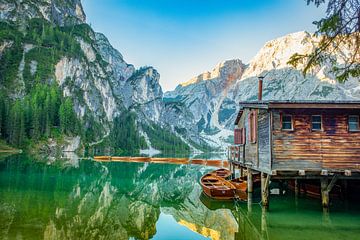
x=333 y=148
x=264 y=140
x=257 y=155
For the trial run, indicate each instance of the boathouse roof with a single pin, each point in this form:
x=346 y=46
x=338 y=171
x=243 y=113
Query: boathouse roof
x=297 y=104
x=331 y=104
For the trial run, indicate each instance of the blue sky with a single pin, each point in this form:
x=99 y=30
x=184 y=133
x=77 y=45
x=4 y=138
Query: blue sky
x=183 y=38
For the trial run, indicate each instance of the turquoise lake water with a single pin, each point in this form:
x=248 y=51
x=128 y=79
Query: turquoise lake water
x=83 y=199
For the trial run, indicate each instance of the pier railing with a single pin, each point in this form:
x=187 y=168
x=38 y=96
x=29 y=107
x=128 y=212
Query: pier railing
x=236 y=153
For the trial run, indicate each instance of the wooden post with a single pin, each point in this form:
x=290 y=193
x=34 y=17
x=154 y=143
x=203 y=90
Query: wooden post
x=249 y=203
x=265 y=180
x=324 y=192
x=326 y=188
x=249 y=181
x=296 y=183
x=264 y=232
x=345 y=188
x=241 y=171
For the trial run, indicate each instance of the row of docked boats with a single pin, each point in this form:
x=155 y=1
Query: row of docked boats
x=215 y=163
x=219 y=185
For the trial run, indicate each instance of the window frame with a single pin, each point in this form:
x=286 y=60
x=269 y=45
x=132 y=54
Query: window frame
x=291 y=121
x=358 y=123
x=321 y=123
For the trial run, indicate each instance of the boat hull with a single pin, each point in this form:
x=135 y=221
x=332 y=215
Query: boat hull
x=217 y=187
x=222 y=173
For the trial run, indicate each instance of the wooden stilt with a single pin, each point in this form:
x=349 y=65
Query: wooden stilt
x=249 y=203
x=296 y=187
x=264 y=232
x=249 y=181
x=324 y=193
x=265 y=180
x=326 y=188
x=344 y=188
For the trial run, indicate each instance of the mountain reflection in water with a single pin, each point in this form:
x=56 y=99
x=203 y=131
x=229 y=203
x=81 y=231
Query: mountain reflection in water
x=91 y=200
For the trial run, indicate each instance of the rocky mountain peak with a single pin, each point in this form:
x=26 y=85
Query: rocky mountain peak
x=229 y=70
x=276 y=53
x=60 y=12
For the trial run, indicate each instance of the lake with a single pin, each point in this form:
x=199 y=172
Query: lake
x=83 y=199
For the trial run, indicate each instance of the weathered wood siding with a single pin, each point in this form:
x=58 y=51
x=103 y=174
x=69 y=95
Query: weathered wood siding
x=332 y=148
x=257 y=155
x=264 y=140
x=250 y=148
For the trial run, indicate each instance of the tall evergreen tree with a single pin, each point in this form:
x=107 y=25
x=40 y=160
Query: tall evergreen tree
x=67 y=117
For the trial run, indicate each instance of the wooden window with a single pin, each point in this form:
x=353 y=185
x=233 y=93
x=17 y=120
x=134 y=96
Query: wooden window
x=239 y=136
x=253 y=126
x=353 y=123
x=286 y=122
x=316 y=124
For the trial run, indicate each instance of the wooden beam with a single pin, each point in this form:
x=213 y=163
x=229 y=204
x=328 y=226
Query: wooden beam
x=332 y=183
x=324 y=172
x=314 y=105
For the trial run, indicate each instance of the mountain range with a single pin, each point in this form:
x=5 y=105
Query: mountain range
x=119 y=108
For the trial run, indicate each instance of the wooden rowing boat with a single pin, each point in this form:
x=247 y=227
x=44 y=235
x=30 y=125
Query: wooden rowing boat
x=217 y=187
x=221 y=172
x=240 y=184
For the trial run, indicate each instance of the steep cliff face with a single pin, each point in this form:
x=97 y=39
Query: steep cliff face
x=59 y=12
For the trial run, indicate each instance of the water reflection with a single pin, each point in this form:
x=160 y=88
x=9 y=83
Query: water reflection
x=147 y=201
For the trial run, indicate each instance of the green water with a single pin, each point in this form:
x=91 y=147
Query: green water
x=60 y=199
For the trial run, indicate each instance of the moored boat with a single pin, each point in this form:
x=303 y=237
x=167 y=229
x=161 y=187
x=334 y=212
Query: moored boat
x=217 y=187
x=221 y=172
x=239 y=184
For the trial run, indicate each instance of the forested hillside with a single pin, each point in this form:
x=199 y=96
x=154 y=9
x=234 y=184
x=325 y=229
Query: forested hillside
x=59 y=79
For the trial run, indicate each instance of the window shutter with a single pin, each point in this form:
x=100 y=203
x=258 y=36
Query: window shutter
x=237 y=136
x=243 y=136
x=253 y=126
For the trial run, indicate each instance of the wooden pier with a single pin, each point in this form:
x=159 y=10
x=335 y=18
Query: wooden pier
x=204 y=162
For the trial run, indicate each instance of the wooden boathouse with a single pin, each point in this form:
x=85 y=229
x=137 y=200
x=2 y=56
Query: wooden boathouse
x=297 y=140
